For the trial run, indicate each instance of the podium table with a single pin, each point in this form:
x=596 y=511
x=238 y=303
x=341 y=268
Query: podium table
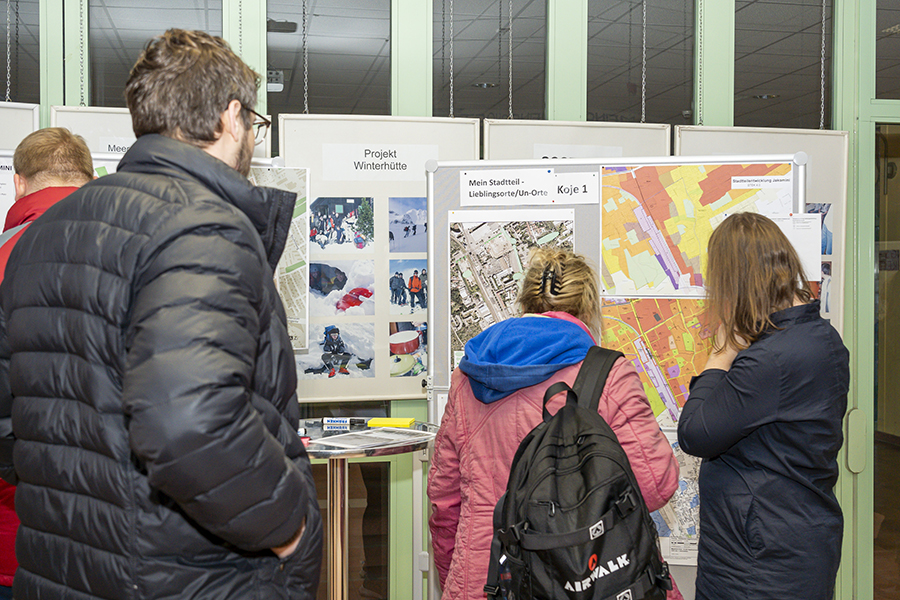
x=338 y=446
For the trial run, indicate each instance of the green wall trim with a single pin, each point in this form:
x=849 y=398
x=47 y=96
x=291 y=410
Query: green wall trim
x=411 y=58
x=881 y=111
x=567 y=50
x=52 y=81
x=857 y=111
x=714 y=63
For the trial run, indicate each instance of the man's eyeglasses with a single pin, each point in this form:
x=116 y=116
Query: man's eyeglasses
x=260 y=125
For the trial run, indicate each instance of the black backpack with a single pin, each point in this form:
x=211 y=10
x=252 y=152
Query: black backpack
x=572 y=523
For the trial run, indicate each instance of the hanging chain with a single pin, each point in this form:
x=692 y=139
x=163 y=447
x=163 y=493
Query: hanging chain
x=240 y=28
x=443 y=42
x=700 y=8
x=305 y=57
x=82 y=51
x=499 y=41
x=510 y=59
x=451 y=58
x=644 y=65
x=822 y=73
x=8 y=32
x=18 y=46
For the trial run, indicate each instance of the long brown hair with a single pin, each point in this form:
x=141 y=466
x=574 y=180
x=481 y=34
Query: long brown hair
x=559 y=280
x=752 y=272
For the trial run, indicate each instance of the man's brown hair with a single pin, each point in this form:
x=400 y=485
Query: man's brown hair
x=181 y=84
x=752 y=272
x=53 y=156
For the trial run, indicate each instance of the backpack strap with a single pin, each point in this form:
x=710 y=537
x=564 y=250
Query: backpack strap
x=620 y=509
x=492 y=587
x=592 y=376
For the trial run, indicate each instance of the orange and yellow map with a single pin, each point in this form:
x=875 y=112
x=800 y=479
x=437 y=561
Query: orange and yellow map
x=668 y=342
x=656 y=220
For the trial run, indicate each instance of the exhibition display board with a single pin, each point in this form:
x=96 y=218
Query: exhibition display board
x=826 y=186
x=106 y=130
x=511 y=139
x=369 y=336
x=109 y=130
x=646 y=223
x=16 y=121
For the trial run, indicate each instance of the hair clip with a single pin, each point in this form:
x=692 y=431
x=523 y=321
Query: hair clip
x=550 y=276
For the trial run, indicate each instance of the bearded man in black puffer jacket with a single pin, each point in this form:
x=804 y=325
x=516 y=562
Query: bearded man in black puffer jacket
x=148 y=400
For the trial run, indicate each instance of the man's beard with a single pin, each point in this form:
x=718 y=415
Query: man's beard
x=245 y=153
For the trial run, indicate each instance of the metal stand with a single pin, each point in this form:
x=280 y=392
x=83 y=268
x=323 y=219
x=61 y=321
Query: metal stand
x=337 y=529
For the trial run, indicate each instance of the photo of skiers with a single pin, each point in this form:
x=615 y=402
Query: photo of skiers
x=408 y=224
x=341 y=287
x=409 y=286
x=409 y=348
x=341 y=225
x=339 y=352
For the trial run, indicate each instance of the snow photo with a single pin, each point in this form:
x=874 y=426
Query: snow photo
x=341 y=287
x=408 y=224
x=338 y=351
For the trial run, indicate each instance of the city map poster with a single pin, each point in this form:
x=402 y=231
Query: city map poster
x=656 y=220
x=292 y=273
x=666 y=339
x=488 y=256
x=678 y=522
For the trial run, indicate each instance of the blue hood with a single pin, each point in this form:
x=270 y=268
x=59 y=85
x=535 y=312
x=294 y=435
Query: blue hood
x=518 y=353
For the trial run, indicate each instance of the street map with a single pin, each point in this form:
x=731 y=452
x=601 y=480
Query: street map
x=667 y=341
x=293 y=269
x=656 y=220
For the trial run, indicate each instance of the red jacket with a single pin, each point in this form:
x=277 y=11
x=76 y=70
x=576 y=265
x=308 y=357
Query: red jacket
x=24 y=211
x=475 y=447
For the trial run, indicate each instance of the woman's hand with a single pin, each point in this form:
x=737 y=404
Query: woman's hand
x=723 y=352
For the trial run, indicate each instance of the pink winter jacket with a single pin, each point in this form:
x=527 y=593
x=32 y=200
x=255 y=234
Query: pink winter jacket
x=473 y=454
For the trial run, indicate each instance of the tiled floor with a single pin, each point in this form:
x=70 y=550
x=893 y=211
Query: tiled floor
x=887 y=505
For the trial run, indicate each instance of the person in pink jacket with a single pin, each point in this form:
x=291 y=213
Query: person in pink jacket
x=495 y=399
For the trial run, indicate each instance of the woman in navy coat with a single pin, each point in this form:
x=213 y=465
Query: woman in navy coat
x=765 y=414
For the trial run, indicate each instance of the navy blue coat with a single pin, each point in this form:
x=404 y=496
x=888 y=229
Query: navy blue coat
x=769 y=430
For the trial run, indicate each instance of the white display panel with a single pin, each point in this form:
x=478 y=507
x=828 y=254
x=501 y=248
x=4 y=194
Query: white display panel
x=109 y=130
x=368 y=222
x=826 y=185
x=520 y=139
x=16 y=121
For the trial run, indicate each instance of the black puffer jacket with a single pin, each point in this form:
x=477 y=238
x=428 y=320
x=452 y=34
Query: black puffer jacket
x=152 y=390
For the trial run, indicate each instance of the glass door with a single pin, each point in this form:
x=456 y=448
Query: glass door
x=887 y=382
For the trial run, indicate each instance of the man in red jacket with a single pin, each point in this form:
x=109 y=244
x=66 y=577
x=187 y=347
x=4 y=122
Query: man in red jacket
x=49 y=164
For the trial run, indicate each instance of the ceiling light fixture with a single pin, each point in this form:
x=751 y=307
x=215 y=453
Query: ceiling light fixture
x=766 y=96
x=484 y=85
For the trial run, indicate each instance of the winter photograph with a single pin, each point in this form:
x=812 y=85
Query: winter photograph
x=408 y=224
x=409 y=353
x=341 y=287
x=408 y=285
x=341 y=225
x=342 y=350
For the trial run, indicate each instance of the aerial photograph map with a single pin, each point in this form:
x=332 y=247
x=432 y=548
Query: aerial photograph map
x=486 y=263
